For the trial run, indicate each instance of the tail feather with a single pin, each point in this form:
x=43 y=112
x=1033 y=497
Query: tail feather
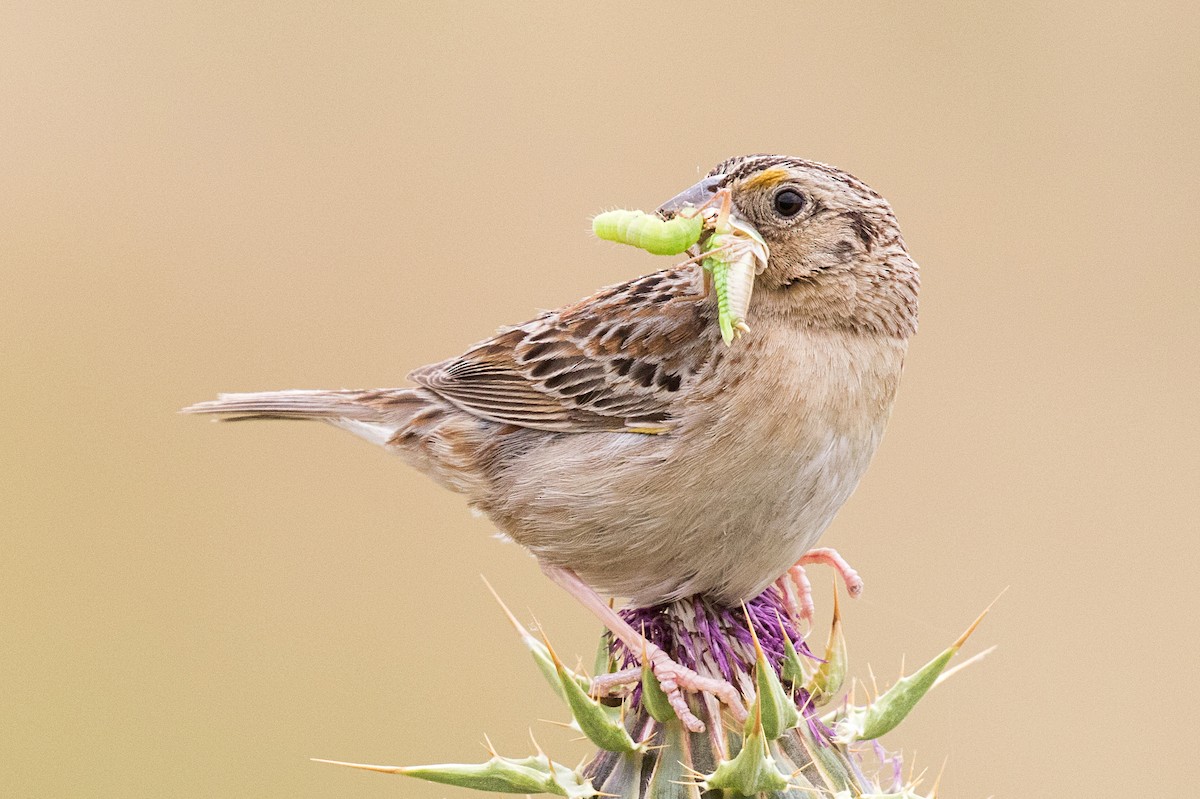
x=295 y=404
x=407 y=421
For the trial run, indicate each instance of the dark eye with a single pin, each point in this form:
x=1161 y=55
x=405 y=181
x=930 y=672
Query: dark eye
x=789 y=202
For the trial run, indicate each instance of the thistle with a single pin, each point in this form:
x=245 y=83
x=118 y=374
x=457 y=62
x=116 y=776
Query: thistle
x=799 y=740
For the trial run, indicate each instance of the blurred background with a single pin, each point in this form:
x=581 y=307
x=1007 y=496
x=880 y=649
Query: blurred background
x=219 y=196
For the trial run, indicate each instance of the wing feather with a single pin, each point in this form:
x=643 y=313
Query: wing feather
x=617 y=361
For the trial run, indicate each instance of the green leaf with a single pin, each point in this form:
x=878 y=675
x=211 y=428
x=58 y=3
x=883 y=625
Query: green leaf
x=671 y=777
x=539 y=650
x=832 y=768
x=829 y=677
x=654 y=698
x=796 y=668
x=534 y=774
x=604 y=662
x=778 y=709
x=752 y=770
x=602 y=727
x=893 y=705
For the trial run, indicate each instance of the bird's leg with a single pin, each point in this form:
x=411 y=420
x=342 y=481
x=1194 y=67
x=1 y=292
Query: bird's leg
x=706 y=254
x=830 y=557
x=673 y=677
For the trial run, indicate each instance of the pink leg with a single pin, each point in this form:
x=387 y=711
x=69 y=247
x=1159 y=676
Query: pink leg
x=806 y=607
x=830 y=557
x=674 y=678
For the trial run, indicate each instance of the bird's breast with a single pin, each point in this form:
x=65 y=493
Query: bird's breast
x=797 y=382
x=761 y=457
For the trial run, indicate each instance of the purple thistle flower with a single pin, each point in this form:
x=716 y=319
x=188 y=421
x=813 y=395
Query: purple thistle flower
x=702 y=635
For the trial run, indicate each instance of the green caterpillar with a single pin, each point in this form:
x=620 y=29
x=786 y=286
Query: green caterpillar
x=733 y=255
x=649 y=232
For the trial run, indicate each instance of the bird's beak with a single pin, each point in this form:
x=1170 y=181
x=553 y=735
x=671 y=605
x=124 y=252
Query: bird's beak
x=697 y=195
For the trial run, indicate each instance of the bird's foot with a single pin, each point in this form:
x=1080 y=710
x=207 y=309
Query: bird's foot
x=803 y=603
x=611 y=683
x=675 y=679
x=830 y=557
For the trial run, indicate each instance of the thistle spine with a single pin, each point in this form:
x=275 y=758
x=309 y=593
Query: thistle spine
x=782 y=751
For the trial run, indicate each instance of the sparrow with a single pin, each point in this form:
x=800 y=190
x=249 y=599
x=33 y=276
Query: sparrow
x=635 y=455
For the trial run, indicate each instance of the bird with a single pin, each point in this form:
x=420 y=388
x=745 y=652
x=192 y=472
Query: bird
x=635 y=455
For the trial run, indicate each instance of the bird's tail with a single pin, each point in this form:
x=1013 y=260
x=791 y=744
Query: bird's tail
x=294 y=404
x=375 y=415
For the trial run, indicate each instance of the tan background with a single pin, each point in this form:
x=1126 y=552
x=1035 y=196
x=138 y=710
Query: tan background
x=232 y=196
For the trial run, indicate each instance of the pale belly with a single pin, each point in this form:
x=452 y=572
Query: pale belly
x=727 y=502
x=685 y=528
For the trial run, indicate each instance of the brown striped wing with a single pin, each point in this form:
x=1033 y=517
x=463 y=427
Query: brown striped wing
x=617 y=361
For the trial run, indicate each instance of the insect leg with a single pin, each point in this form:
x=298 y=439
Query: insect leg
x=722 y=198
x=704 y=255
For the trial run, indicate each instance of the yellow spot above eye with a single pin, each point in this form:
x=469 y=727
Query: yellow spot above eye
x=766 y=179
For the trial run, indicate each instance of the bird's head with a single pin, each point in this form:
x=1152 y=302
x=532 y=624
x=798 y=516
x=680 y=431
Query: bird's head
x=837 y=256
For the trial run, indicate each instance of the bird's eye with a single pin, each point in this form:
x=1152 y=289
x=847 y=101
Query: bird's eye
x=789 y=202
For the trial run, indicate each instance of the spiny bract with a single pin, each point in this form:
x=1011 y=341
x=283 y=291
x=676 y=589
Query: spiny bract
x=786 y=749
